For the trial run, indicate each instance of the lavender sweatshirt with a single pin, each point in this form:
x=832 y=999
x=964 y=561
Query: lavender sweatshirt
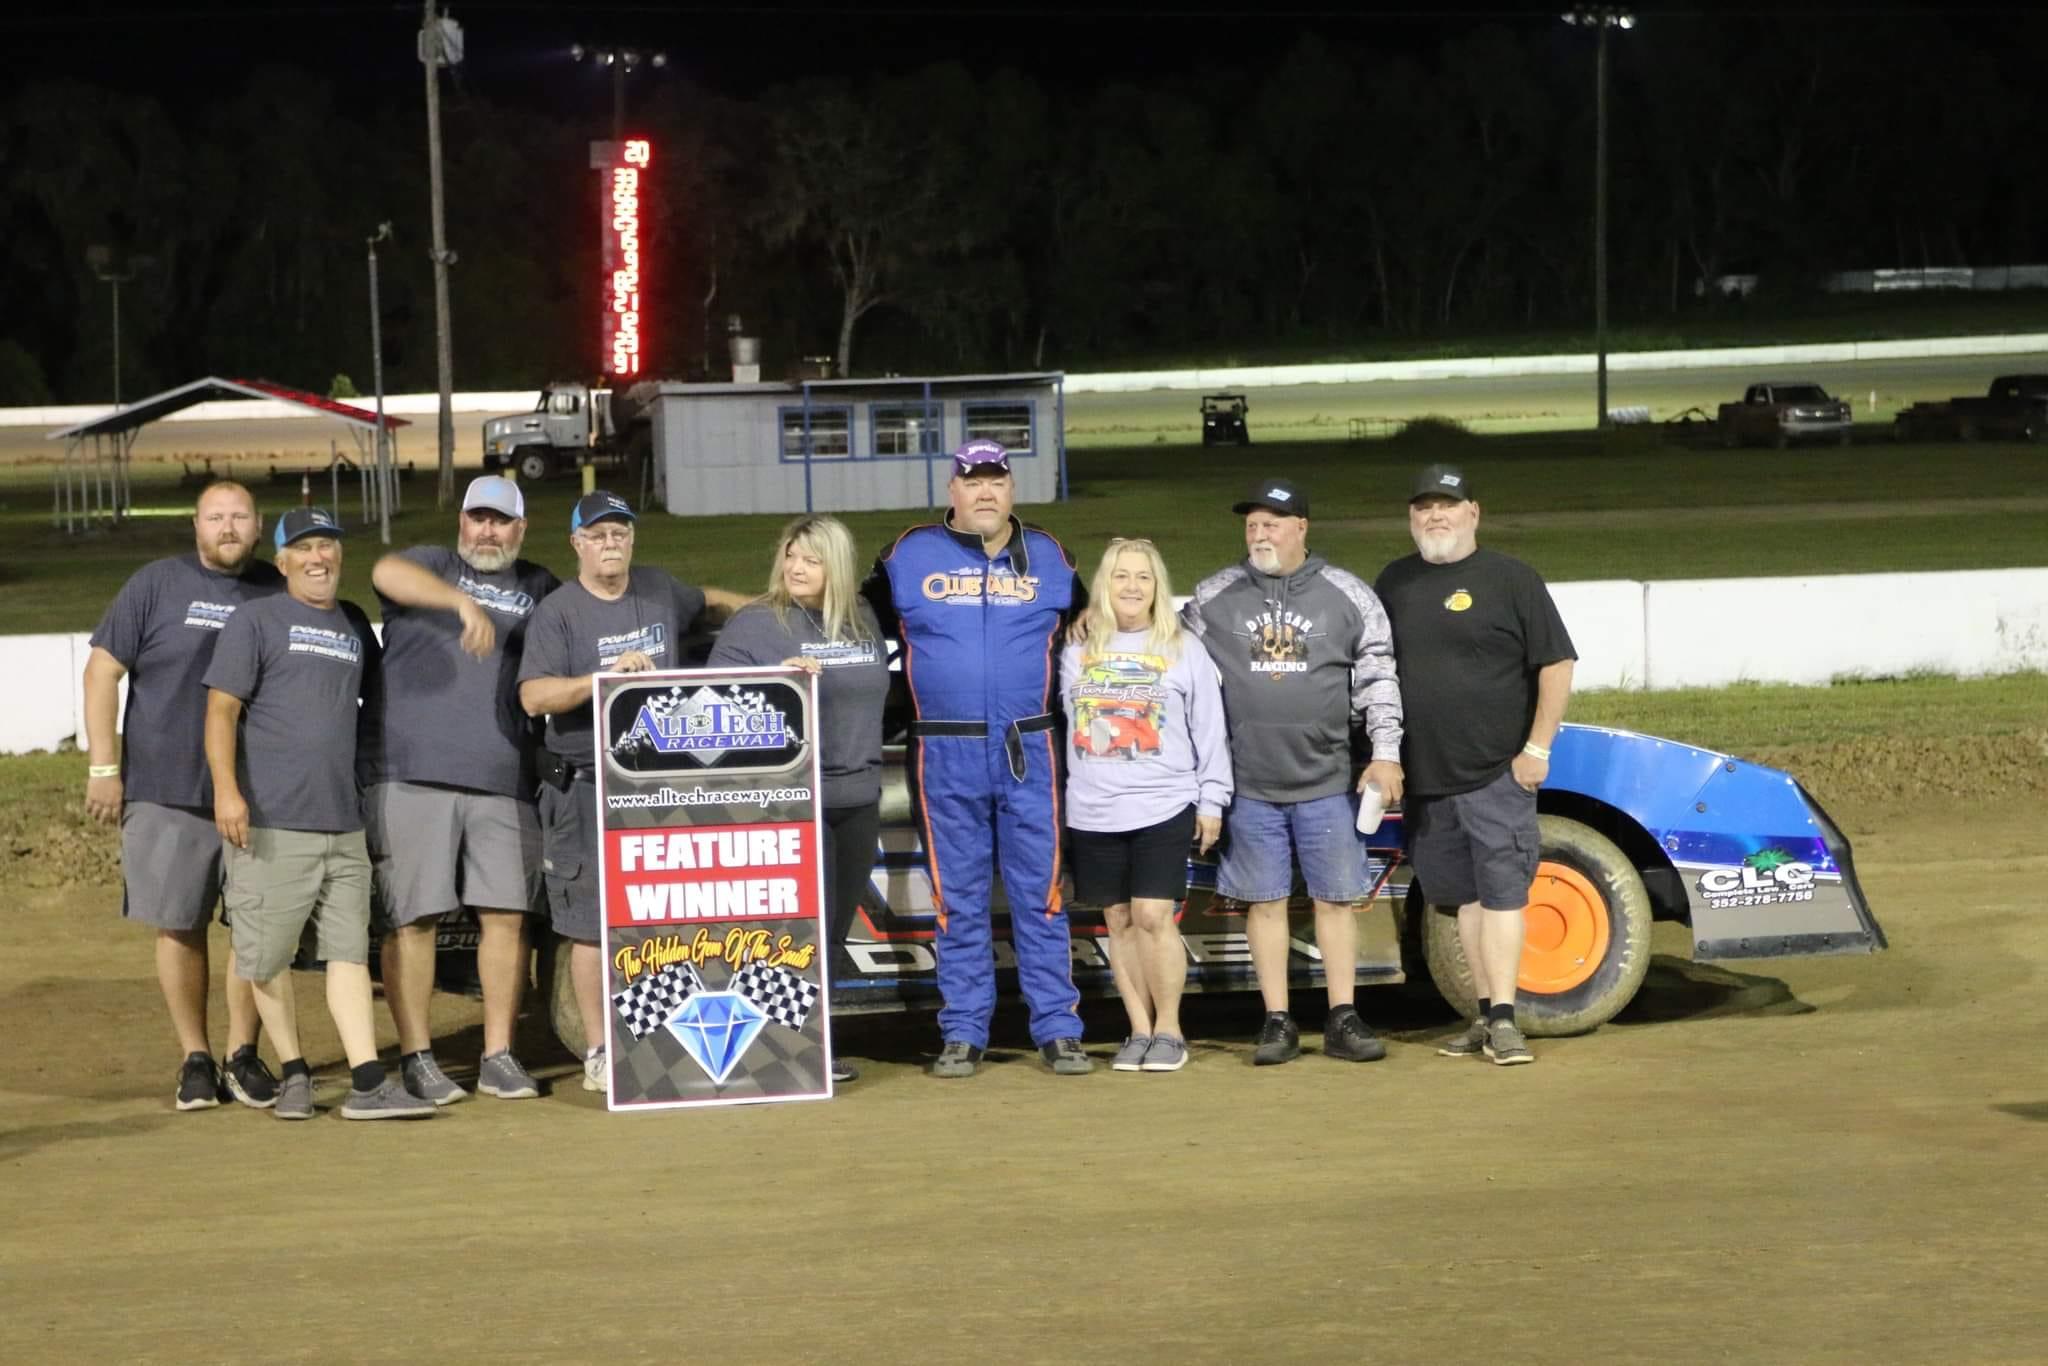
x=1145 y=736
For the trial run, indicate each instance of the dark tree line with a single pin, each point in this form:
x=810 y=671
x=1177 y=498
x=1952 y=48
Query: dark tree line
x=955 y=218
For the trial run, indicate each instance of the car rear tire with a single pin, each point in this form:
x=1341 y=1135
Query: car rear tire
x=1730 y=438
x=1587 y=945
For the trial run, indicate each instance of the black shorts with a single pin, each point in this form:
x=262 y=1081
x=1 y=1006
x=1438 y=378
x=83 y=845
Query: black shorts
x=1476 y=846
x=1112 y=867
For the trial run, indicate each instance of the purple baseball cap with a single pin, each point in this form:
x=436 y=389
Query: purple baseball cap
x=980 y=454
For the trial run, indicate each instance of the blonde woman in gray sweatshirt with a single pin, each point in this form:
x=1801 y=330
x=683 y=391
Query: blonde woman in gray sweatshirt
x=1149 y=777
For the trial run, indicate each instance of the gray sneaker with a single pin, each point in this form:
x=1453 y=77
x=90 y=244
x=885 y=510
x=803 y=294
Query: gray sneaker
x=1167 y=1054
x=593 y=1070
x=294 y=1097
x=1506 y=1046
x=1064 y=1056
x=500 y=1075
x=389 y=1101
x=1131 y=1057
x=1470 y=1044
x=424 y=1078
x=957 y=1059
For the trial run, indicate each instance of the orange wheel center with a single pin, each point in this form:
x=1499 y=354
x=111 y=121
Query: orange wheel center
x=1565 y=931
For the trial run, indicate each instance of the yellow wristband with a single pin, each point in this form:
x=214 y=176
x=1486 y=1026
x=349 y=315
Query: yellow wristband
x=103 y=771
x=1535 y=751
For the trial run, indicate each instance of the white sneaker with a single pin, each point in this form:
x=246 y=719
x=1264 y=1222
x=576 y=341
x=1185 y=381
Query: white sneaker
x=593 y=1070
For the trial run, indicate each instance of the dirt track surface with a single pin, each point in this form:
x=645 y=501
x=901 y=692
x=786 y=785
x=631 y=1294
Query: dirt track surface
x=1803 y=1159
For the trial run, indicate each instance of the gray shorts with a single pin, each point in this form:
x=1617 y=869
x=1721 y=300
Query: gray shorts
x=437 y=849
x=170 y=865
x=568 y=841
x=1478 y=846
x=287 y=877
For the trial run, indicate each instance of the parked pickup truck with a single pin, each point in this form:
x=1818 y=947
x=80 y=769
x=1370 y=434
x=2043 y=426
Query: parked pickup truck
x=1780 y=414
x=2015 y=406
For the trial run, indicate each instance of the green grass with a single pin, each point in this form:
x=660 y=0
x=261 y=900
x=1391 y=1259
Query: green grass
x=1577 y=507
x=1750 y=717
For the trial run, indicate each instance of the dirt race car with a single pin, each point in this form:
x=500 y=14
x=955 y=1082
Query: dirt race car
x=1635 y=829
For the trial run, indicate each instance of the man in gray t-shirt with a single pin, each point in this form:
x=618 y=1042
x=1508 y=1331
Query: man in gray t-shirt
x=448 y=779
x=281 y=716
x=159 y=634
x=613 y=619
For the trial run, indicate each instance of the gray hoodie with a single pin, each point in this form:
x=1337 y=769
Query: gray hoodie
x=1305 y=658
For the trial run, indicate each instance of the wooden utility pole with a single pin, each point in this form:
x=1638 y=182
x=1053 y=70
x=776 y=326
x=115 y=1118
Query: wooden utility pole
x=432 y=57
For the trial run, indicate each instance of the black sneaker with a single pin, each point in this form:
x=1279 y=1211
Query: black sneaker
x=249 y=1081
x=1066 y=1057
x=844 y=1072
x=1346 y=1037
x=1279 y=1040
x=198 y=1083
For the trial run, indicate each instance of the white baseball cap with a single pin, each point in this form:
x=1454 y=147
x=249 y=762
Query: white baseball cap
x=497 y=493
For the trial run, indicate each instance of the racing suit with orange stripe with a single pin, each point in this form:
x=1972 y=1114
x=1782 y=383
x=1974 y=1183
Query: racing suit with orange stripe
x=980 y=637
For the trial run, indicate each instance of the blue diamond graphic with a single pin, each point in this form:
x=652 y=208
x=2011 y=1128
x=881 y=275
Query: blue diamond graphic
x=716 y=1028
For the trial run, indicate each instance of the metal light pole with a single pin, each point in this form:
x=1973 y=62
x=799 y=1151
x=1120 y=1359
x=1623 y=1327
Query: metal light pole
x=621 y=60
x=383 y=234
x=441 y=45
x=115 y=267
x=1603 y=18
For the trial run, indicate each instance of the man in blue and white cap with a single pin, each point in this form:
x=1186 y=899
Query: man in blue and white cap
x=980 y=603
x=447 y=767
x=614 y=618
x=281 y=714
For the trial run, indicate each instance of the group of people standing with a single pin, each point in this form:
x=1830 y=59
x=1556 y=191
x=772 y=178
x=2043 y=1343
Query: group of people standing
x=450 y=765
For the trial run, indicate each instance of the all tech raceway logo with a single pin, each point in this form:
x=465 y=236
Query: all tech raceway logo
x=1767 y=877
x=712 y=725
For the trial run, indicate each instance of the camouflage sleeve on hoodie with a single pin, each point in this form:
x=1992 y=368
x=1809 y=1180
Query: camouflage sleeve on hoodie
x=1375 y=683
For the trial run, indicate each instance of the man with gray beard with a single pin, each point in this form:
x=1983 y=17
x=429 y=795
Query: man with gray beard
x=1486 y=669
x=447 y=768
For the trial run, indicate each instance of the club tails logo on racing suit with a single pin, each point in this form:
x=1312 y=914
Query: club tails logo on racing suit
x=687 y=728
x=1767 y=877
x=974 y=584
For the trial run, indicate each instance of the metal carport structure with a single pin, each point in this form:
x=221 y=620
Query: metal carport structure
x=91 y=481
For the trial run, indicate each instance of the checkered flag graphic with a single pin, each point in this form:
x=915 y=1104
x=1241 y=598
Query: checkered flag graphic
x=653 y=1001
x=785 y=997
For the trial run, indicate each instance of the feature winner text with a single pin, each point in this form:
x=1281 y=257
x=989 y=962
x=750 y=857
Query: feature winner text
x=748 y=872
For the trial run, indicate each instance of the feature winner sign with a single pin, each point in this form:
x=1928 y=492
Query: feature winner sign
x=712 y=885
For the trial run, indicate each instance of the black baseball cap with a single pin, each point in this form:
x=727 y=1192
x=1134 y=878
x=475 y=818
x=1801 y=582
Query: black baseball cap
x=1442 y=481
x=303 y=522
x=1277 y=495
x=596 y=506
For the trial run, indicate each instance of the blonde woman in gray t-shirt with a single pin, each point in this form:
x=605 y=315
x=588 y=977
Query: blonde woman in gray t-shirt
x=1150 y=775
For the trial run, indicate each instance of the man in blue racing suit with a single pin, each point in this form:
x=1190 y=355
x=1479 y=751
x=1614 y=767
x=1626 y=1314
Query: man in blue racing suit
x=981 y=603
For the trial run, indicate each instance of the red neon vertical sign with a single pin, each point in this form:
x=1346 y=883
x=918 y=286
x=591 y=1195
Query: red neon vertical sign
x=622 y=204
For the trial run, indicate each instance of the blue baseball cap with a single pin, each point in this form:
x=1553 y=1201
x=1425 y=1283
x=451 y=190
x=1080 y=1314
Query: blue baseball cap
x=980 y=454
x=302 y=522
x=596 y=506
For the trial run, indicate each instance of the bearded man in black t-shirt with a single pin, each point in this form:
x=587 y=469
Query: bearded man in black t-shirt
x=1486 y=669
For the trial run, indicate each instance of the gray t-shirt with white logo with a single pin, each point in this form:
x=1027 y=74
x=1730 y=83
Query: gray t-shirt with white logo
x=439 y=715
x=162 y=627
x=574 y=632
x=300 y=672
x=853 y=682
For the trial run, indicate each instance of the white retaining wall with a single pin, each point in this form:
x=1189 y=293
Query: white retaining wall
x=1233 y=377
x=1691 y=633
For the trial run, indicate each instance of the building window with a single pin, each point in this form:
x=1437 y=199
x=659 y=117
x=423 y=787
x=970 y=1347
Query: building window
x=1009 y=423
x=831 y=433
x=907 y=430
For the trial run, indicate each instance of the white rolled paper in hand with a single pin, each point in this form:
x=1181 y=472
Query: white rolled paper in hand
x=1372 y=807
